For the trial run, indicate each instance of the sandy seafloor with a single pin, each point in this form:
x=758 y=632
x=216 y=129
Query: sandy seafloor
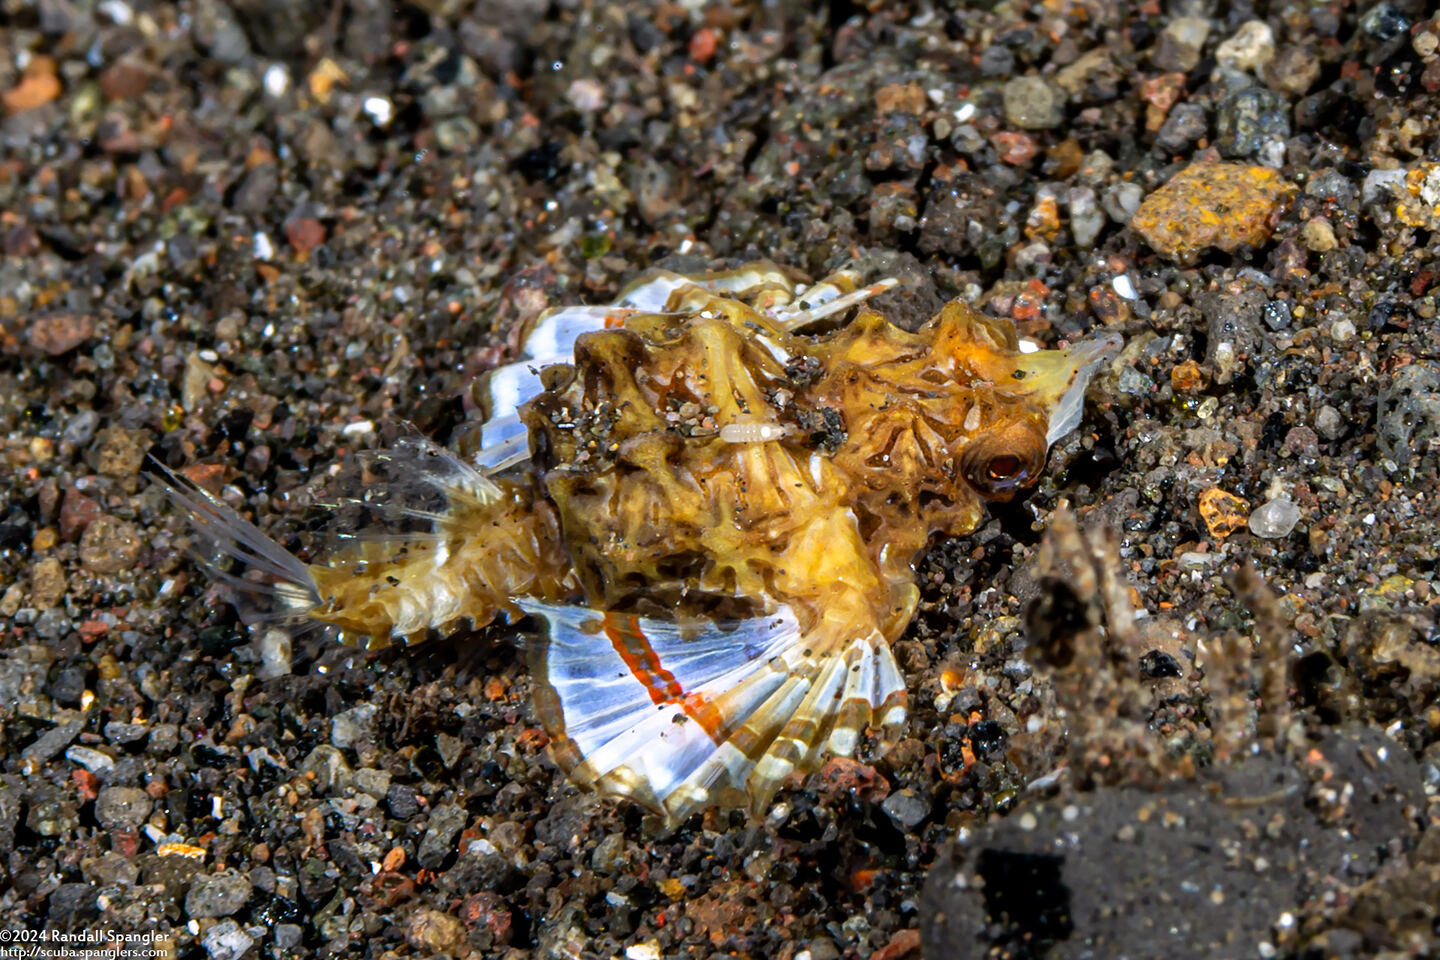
x=247 y=235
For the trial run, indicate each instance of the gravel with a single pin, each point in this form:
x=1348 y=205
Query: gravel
x=247 y=238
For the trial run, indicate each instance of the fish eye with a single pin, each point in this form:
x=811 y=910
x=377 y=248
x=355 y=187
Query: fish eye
x=999 y=466
x=1004 y=467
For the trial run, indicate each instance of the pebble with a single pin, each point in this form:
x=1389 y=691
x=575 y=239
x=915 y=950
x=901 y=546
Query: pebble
x=434 y=932
x=1134 y=382
x=274 y=647
x=91 y=759
x=1252 y=47
x=52 y=741
x=1293 y=71
x=1180 y=44
x=403 y=801
x=1221 y=205
x=1250 y=119
x=353 y=725
x=58 y=333
x=1329 y=423
x=1274 y=519
x=48 y=584
x=226 y=940
x=1380 y=185
x=1086 y=217
x=906 y=807
x=120 y=808
x=438 y=843
x=1318 y=235
x=1223 y=512
x=218 y=895
x=1408 y=415
x=110 y=545
x=328 y=765
x=1122 y=200
x=1032 y=104
x=1186 y=124
x=1384 y=22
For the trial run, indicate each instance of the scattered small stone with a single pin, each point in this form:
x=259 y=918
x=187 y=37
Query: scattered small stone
x=55 y=334
x=328 y=765
x=1159 y=665
x=438 y=843
x=1408 y=415
x=1223 y=512
x=1252 y=47
x=91 y=759
x=305 y=234
x=1086 y=217
x=275 y=649
x=52 y=741
x=435 y=932
x=218 y=895
x=110 y=545
x=1329 y=423
x=47 y=583
x=1248 y=120
x=907 y=808
x=38 y=86
x=1293 y=71
x=1032 y=104
x=1221 y=205
x=1185 y=124
x=1384 y=22
x=352 y=725
x=1180 y=44
x=1122 y=201
x=226 y=940
x=120 y=808
x=403 y=801
x=1274 y=519
x=120 y=452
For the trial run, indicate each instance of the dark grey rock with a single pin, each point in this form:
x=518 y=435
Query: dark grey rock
x=53 y=741
x=1185 y=124
x=1233 y=330
x=72 y=904
x=1408 y=417
x=218 y=895
x=907 y=808
x=403 y=801
x=119 y=808
x=438 y=843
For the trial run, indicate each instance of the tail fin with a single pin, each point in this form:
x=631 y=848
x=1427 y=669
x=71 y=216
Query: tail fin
x=285 y=589
x=680 y=718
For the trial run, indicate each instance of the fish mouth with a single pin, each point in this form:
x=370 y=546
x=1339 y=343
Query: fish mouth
x=1083 y=360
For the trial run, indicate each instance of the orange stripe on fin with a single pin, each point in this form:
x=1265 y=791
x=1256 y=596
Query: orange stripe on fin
x=630 y=642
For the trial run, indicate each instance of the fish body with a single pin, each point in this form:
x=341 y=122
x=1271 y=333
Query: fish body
x=715 y=512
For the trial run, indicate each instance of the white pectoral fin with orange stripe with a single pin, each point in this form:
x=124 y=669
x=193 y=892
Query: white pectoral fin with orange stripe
x=680 y=717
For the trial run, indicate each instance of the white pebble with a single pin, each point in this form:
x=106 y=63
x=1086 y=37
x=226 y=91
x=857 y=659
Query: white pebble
x=379 y=110
x=1124 y=286
x=91 y=759
x=1274 y=519
x=264 y=249
x=277 y=80
x=274 y=649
